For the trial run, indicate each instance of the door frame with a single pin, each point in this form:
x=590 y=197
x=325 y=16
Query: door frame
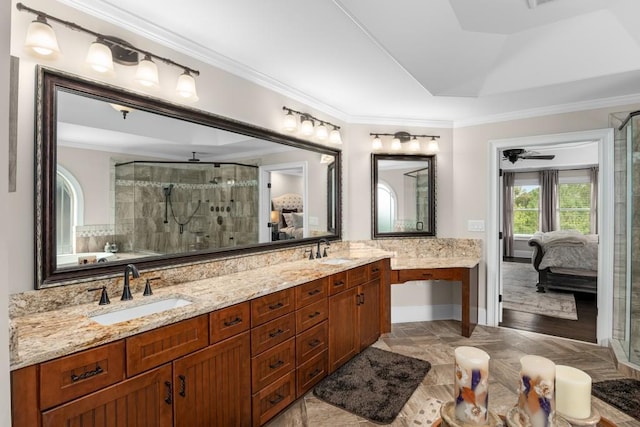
x=605 y=140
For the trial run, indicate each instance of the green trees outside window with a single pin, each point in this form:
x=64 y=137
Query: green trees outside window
x=526 y=209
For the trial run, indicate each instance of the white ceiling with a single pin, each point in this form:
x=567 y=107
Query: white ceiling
x=408 y=61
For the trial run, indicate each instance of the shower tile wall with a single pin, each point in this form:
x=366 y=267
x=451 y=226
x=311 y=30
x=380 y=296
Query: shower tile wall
x=217 y=207
x=634 y=356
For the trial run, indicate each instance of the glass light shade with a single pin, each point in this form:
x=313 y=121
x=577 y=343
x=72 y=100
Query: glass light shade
x=290 y=123
x=99 y=57
x=414 y=145
x=41 y=38
x=147 y=73
x=307 y=127
x=395 y=144
x=335 y=137
x=376 y=144
x=433 y=147
x=321 y=132
x=186 y=87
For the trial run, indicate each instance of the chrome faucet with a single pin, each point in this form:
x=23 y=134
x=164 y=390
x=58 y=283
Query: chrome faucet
x=126 y=292
x=326 y=243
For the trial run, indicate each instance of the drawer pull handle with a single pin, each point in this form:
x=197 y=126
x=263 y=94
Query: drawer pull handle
x=233 y=322
x=375 y=270
x=312 y=315
x=169 y=398
x=88 y=374
x=275 y=333
x=314 y=343
x=183 y=386
x=427 y=274
x=278 y=399
x=314 y=373
x=276 y=306
x=314 y=292
x=338 y=283
x=277 y=364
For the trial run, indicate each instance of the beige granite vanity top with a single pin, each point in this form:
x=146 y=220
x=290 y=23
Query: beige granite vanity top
x=44 y=336
x=402 y=263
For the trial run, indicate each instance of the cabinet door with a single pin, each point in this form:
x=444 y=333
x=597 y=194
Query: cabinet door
x=343 y=328
x=140 y=401
x=212 y=387
x=369 y=313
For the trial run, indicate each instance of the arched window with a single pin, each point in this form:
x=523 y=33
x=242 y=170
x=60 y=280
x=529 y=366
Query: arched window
x=69 y=211
x=387 y=207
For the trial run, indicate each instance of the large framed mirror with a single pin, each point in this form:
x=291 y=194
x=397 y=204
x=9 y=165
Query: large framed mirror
x=123 y=177
x=403 y=195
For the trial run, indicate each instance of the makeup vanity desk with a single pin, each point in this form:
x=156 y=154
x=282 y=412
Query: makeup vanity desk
x=465 y=270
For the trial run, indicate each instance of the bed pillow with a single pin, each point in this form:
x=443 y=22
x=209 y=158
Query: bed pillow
x=297 y=220
x=285 y=219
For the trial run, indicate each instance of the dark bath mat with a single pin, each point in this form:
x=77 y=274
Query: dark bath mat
x=624 y=394
x=374 y=385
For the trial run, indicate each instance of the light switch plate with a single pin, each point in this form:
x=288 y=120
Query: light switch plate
x=475 y=225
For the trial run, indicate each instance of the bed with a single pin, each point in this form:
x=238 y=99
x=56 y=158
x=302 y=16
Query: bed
x=565 y=260
x=290 y=208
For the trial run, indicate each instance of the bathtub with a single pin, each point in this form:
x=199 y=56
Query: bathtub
x=68 y=260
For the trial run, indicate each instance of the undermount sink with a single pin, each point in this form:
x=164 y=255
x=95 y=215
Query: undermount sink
x=139 y=311
x=335 y=261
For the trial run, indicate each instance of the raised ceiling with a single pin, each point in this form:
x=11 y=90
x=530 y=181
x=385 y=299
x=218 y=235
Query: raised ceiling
x=408 y=61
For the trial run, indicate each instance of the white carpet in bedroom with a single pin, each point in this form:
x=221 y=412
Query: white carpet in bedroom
x=519 y=293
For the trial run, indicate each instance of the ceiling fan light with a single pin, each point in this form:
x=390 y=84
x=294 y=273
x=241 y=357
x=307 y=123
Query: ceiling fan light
x=414 y=145
x=290 y=123
x=321 y=132
x=147 y=73
x=396 y=144
x=41 y=39
x=335 y=137
x=433 y=146
x=376 y=143
x=99 y=57
x=186 y=87
x=306 y=128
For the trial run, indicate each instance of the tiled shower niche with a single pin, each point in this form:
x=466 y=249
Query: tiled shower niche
x=170 y=207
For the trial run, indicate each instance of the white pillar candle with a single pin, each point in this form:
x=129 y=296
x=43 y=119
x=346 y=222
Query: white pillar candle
x=472 y=385
x=535 y=399
x=573 y=392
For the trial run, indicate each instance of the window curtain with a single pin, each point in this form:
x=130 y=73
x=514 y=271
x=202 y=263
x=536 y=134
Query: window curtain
x=548 y=199
x=593 y=176
x=507 y=213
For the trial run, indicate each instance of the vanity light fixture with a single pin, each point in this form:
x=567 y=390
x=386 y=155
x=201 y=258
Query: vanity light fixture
x=401 y=137
x=106 y=50
x=308 y=126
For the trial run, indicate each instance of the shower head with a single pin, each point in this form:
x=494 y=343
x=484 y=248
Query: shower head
x=167 y=190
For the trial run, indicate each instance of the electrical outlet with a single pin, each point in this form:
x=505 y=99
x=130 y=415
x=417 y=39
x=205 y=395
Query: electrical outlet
x=475 y=225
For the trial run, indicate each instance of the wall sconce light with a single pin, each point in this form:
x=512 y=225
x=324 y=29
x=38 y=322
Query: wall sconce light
x=106 y=50
x=308 y=126
x=122 y=109
x=400 y=138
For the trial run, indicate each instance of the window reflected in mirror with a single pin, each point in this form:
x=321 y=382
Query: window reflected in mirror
x=403 y=190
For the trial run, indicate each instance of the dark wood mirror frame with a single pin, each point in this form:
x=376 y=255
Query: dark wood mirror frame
x=48 y=82
x=430 y=224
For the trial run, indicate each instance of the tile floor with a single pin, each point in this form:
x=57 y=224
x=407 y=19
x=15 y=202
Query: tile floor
x=435 y=342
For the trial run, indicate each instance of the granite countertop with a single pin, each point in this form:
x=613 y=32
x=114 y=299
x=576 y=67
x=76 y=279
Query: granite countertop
x=407 y=263
x=44 y=336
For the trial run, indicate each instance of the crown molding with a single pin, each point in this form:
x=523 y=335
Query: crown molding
x=400 y=121
x=552 y=109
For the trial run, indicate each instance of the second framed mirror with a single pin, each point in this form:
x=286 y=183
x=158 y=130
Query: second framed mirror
x=403 y=195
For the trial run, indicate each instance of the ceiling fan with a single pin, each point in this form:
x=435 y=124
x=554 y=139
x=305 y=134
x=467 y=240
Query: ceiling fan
x=515 y=154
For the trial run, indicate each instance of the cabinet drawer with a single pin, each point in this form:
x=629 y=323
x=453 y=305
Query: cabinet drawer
x=310 y=373
x=273 y=398
x=271 y=306
x=375 y=270
x=429 y=274
x=311 y=315
x=153 y=348
x=357 y=276
x=311 y=292
x=266 y=336
x=81 y=373
x=337 y=283
x=272 y=364
x=229 y=321
x=311 y=342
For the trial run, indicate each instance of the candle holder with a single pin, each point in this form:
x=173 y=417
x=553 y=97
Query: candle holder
x=517 y=418
x=592 y=420
x=448 y=417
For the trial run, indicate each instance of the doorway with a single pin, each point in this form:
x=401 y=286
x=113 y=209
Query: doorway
x=604 y=140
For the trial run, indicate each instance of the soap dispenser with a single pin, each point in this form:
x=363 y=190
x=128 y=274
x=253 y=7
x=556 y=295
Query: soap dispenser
x=107 y=247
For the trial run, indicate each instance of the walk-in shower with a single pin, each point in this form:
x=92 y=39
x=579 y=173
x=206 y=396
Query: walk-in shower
x=174 y=207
